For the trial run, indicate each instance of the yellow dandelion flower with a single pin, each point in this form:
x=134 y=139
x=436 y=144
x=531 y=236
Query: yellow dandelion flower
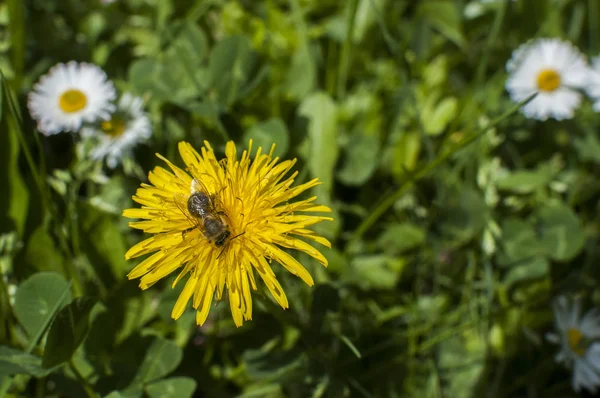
x=221 y=222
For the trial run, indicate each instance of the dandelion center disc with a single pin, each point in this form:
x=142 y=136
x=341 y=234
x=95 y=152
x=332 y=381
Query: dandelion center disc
x=575 y=340
x=114 y=127
x=72 y=101
x=548 y=80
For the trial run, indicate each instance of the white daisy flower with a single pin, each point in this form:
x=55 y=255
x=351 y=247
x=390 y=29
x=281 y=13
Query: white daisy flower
x=579 y=348
x=554 y=69
x=127 y=126
x=70 y=95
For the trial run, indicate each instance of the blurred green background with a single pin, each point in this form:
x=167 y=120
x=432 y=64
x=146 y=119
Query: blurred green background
x=440 y=278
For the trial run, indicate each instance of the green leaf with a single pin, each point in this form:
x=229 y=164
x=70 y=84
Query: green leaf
x=13 y=361
x=38 y=299
x=68 y=331
x=145 y=76
x=266 y=133
x=464 y=215
x=103 y=242
x=301 y=75
x=561 y=235
x=189 y=46
x=321 y=112
x=524 y=182
x=350 y=345
x=444 y=16
x=399 y=238
x=229 y=68
x=42 y=253
x=375 y=271
x=519 y=242
x=528 y=269
x=162 y=358
x=173 y=387
x=445 y=111
x=360 y=160
x=405 y=153
x=588 y=147
x=14 y=197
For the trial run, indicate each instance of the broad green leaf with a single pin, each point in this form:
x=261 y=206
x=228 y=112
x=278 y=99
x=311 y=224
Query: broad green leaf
x=561 y=235
x=519 y=242
x=375 y=271
x=145 y=76
x=42 y=253
x=444 y=16
x=361 y=157
x=162 y=358
x=272 y=131
x=229 y=68
x=189 y=46
x=464 y=215
x=399 y=238
x=302 y=73
x=405 y=153
x=173 y=387
x=524 y=181
x=271 y=363
x=67 y=332
x=588 y=147
x=38 y=299
x=136 y=393
x=367 y=13
x=445 y=111
x=103 y=242
x=531 y=268
x=463 y=358
x=13 y=361
x=321 y=112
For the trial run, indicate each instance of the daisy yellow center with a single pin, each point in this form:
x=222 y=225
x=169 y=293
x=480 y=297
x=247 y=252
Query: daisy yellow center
x=114 y=127
x=548 y=80
x=72 y=101
x=576 y=342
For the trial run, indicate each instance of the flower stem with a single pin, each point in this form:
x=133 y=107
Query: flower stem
x=424 y=171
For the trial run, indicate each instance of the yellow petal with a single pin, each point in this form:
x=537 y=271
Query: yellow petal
x=289 y=263
x=145 y=266
x=268 y=276
x=184 y=297
x=292 y=243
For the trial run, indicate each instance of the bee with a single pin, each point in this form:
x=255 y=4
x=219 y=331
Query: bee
x=201 y=206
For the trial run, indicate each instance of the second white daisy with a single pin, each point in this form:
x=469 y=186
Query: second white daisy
x=578 y=336
x=69 y=95
x=554 y=69
x=128 y=126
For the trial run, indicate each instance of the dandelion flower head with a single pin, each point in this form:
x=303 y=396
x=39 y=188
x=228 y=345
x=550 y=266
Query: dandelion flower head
x=252 y=199
x=552 y=68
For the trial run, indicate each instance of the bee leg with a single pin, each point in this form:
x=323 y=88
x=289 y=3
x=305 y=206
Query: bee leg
x=222 y=250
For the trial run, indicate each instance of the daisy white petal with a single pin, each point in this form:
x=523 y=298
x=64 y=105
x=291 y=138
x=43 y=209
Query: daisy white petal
x=128 y=126
x=69 y=95
x=554 y=69
x=576 y=334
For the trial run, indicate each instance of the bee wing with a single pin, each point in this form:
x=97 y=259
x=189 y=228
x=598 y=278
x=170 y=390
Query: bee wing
x=198 y=186
x=181 y=202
